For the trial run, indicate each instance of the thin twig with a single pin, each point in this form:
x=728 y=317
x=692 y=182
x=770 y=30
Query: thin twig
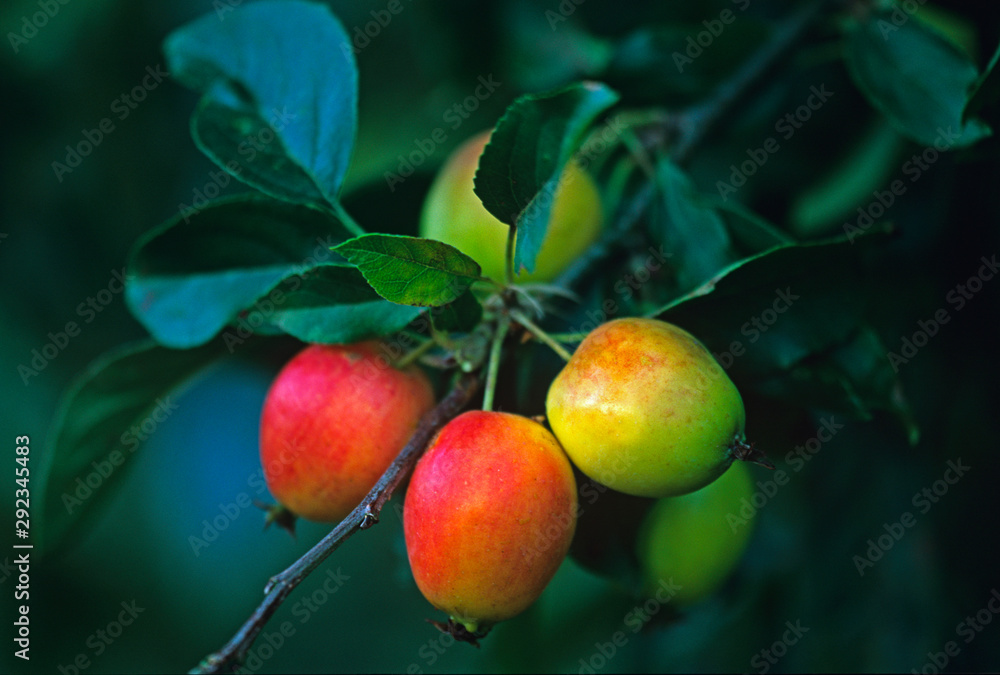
x=364 y=516
x=696 y=122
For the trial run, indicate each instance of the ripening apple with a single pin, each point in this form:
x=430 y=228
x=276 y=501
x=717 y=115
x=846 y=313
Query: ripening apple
x=695 y=541
x=489 y=515
x=454 y=214
x=644 y=408
x=334 y=419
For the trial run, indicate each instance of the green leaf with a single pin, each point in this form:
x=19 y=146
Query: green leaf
x=765 y=314
x=411 y=270
x=280 y=95
x=460 y=316
x=520 y=167
x=916 y=77
x=853 y=378
x=192 y=275
x=689 y=228
x=93 y=431
x=333 y=304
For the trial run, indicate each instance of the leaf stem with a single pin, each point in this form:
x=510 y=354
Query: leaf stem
x=494 y=364
x=535 y=330
x=362 y=517
x=347 y=220
x=509 y=255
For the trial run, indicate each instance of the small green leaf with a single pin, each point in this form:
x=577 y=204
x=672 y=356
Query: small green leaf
x=333 y=304
x=280 y=95
x=192 y=275
x=411 y=270
x=93 y=431
x=916 y=77
x=520 y=167
x=460 y=316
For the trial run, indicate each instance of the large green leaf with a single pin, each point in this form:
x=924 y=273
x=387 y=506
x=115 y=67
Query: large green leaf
x=520 y=167
x=333 y=304
x=104 y=415
x=916 y=77
x=764 y=314
x=191 y=276
x=411 y=270
x=280 y=95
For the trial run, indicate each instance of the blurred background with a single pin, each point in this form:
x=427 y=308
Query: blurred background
x=176 y=561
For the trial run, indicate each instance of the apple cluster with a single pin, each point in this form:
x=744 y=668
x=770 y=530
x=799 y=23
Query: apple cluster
x=642 y=410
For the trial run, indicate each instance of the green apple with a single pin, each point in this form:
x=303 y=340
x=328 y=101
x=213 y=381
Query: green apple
x=454 y=214
x=695 y=541
x=644 y=408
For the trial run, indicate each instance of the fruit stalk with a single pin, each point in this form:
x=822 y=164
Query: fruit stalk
x=362 y=517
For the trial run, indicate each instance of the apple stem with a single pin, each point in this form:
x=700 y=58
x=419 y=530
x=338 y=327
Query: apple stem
x=535 y=330
x=493 y=368
x=748 y=452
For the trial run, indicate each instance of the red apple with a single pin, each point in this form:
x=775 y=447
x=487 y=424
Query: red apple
x=334 y=419
x=489 y=515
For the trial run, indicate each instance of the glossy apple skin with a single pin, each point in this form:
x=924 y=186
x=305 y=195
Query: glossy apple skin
x=644 y=408
x=695 y=541
x=334 y=419
x=454 y=214
x=489 y=515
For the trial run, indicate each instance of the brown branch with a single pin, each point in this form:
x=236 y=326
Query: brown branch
x=366 y=514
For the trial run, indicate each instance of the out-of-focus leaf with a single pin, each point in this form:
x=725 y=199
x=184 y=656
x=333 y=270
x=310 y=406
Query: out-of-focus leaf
x=100 y=423
x=192 y=275
x=280 y=95
x=918 y=79
x=689 y=228
x=333 y=304
x=460 y=316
